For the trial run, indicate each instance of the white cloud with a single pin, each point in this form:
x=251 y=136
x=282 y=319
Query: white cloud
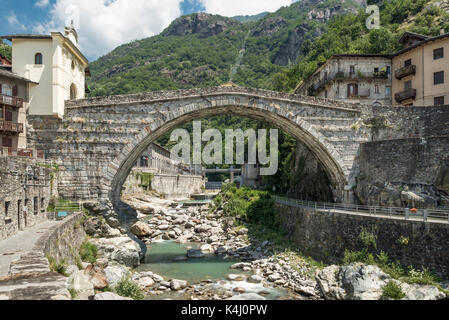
x=231 y=8
x=42 y=3
x=102 y=25
x=14 y=21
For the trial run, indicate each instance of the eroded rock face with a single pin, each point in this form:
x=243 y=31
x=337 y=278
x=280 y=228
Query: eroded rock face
x=97 y=276
x=122 y=250
x=352 y=282
x=98 y=227
x=418 y=292
x=80 y=282
x=202 y=24
x=115 y=273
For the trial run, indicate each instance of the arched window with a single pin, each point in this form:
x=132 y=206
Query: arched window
x=38 y=58
x=72 y=92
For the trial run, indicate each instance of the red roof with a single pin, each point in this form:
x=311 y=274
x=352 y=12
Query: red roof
x=5 y=61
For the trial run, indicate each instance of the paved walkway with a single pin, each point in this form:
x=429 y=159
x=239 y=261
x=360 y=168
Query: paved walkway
x=22 y=242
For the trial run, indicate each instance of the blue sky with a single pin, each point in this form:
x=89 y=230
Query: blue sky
x=104 y=24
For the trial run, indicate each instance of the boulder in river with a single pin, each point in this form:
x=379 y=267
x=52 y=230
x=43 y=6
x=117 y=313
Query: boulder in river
x=177 y=285
x=195 y=254
x=141 y=229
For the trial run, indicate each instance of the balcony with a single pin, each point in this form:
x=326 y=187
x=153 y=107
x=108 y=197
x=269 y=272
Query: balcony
x=318 y=85
x=11 y=127
x=11 y=101
x=405 y=95
x=361 y=94
x=405 y=71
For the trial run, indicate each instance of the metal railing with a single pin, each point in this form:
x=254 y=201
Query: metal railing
x=406 y=213
x=62 y=211
x=404 y=95
x=11 y=101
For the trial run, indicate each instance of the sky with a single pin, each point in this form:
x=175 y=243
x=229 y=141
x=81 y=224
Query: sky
x=103 y=25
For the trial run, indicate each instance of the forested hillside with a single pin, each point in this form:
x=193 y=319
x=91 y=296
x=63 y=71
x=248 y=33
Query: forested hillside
x=5 y=50
x=200 y=50
x=348 y=34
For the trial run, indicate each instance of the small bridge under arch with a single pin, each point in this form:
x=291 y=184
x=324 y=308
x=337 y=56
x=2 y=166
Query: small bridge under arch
x=100 y=139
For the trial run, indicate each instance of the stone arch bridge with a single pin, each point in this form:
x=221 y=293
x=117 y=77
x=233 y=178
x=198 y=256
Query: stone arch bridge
x=100 y=139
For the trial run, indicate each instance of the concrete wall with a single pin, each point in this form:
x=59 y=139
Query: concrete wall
x=171 y=186
x=18 y=193
x=326 y=235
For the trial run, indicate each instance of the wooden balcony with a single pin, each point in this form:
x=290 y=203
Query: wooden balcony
x=11 y=127
x=405 y=95
x=11 y=101
x=405 y=71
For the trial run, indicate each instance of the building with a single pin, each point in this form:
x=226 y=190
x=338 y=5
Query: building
x=5 y=63
x=421 y=71
x=55 y=63
x=360 y=78
x=14 y=98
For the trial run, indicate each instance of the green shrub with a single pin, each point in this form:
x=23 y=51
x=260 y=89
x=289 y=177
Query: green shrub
x=362 y=256
x=128 y=288
x=88 y=252
x=368 y=239
x=423 y=277
x=58 y=266
x=392 y=291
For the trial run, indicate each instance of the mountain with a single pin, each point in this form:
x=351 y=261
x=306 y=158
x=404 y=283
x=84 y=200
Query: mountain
x=201 y=50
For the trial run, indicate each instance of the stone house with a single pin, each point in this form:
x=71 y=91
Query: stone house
x=24 y=194
x=358 y=78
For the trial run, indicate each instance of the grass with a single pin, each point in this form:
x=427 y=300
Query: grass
x=128 y=288
x=393 y=291
x=88 y=252
x=58 y=266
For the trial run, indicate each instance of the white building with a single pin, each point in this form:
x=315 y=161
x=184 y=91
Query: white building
x=359 y=78
x=55 y=62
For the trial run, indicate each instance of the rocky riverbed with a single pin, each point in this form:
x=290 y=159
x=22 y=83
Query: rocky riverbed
x=257 y=271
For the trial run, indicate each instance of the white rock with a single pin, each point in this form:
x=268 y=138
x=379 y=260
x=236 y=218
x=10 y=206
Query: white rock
x=79 y=281
x=109 y=296
x=115 y=273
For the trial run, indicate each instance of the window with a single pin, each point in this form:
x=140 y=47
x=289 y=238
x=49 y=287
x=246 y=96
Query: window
x=407 y=62
x=376 y=89
x=325 y=94
x=7 y=203
x=438 y=101
x=36 y=205
x=353 y=90
x=388 y=69
x=438 y=77
x=376 y=70
x=388 y=91
x=408 y=85
x=38 y=58
x=73 y=65
x=352 y=69
x=72 y=92
x=438 y=53
x=42 y=204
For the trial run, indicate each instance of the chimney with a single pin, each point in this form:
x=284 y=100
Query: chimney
x=442 y=32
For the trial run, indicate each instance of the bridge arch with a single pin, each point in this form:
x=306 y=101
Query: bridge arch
x=115 y=174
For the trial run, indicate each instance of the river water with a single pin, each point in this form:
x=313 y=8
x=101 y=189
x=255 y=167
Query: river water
x=213 y=269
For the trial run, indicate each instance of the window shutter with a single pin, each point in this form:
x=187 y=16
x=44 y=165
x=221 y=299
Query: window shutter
x=356 y=90
x=349 y=90
x=14 y=91
x=0 y=88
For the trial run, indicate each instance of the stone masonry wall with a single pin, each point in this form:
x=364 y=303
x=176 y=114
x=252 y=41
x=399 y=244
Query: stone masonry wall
x=391 y=168
x=325 y=236
x=63 y=242
x=24 y=194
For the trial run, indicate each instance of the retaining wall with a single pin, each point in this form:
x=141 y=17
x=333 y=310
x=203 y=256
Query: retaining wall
x=326 y=235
